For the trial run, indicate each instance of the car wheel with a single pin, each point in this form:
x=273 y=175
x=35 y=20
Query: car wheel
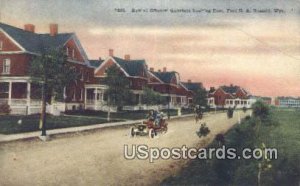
x=132 y=133
x=151 y=133
x=166 y=130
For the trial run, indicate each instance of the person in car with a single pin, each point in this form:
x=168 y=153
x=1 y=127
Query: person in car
x=150 y=115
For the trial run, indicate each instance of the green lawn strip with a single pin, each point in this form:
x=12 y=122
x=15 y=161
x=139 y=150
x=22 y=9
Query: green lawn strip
x=10 y=125
x=94 y=117
x=281 y=131
x=127 y=115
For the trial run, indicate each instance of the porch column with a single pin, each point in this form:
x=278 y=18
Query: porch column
x=102 y=96
x=85 y=96
x=9 y=93
x=140 y=99
x=96 y=99
x=28 y=97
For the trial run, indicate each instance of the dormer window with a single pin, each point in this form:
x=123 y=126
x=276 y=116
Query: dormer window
x=6 y=66
x=1 y=45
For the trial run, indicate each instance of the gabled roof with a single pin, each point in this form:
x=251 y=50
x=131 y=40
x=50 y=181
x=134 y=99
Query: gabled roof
x=165 y=77
x=33 y=42
x=192 y=86
x=132 y=67
x=230 y=89
x=95 y=62
x=153 y=78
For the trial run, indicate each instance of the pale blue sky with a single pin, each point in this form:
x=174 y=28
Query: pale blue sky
x=90 y=12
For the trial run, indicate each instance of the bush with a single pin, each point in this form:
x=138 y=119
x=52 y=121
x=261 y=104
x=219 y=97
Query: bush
x=5 y=108
x=247 y=117
x=260 y=110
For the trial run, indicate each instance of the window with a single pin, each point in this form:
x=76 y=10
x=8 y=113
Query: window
x=73 y=53
x=6 y=66
x=1 y=45
x=81 y=94
x=82 y=75
x=74 y=95
x=87 y=77
x=67 y=51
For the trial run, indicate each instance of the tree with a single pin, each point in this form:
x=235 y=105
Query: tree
x=118 y=92
x=260 y=109
x=150 y=97
x=200 y=97
x=51 y=70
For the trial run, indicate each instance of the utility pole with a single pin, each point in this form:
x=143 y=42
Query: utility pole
x=169 y=100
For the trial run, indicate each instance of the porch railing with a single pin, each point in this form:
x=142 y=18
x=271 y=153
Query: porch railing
x=20 y=102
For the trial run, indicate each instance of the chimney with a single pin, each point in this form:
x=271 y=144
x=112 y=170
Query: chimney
x=53 y=29
x=111 y=52
x=189 y=81
x=151 y=69
x=165 y=69
x=127 y=57
x=29 y=28
x=100 y=59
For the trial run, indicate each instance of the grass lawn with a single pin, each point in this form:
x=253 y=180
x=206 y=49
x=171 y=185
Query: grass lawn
x=128 y=115
x=281 y=131
x=9 y=124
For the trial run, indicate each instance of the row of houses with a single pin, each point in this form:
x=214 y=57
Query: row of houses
x=19 y=46
x=232 y=97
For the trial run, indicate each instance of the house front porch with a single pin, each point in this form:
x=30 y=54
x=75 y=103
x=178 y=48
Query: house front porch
x=94 y=98
x=22 y=96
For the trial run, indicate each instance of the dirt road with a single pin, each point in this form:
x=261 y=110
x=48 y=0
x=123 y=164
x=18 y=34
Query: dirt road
x=97 y=158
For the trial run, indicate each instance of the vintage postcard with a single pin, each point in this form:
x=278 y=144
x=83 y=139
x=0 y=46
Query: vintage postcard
x=145 y=92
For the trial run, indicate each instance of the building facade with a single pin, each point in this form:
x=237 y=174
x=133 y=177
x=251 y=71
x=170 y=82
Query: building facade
x=228 y=97
x=18 y=47
x=287 y=102
x=169 y=85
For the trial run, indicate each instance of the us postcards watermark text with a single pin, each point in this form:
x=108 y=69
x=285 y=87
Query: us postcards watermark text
x=143 y=152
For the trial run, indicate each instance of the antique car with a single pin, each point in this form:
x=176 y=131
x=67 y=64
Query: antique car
x=149 y=128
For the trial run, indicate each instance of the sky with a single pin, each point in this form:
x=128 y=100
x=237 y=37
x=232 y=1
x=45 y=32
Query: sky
x=258 y=50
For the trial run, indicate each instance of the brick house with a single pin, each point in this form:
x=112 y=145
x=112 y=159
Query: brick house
x=19 y=46
x=228 y=96
x=134 y=70
x=168 y=84
x=192 y=87
x=17 y=49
